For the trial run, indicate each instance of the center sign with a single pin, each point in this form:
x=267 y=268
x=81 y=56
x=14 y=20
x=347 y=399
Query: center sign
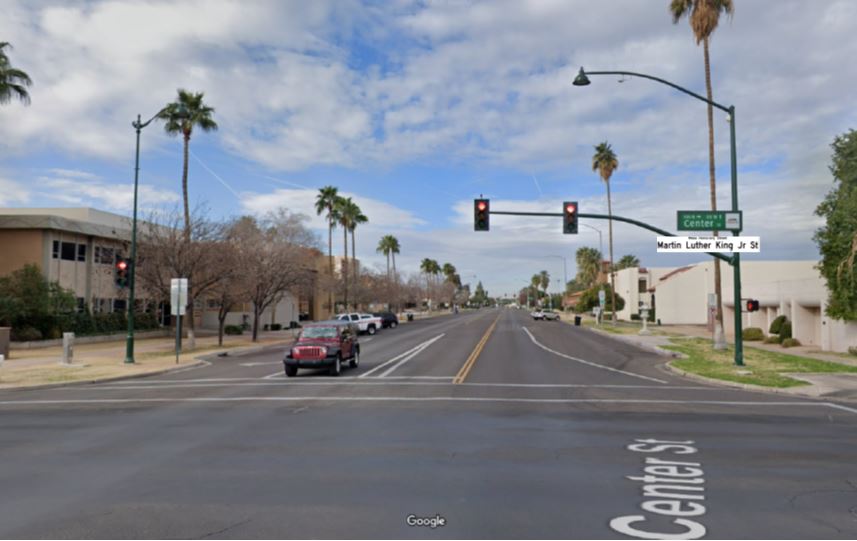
x=709 y=220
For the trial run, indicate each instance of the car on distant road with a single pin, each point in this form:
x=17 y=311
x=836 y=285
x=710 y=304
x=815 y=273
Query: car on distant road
x=325 y=344
x=537 y=314
x=388 y=319
x=365 y=322
x=550 y=315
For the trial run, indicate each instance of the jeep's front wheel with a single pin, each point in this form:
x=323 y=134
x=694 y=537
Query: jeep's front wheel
x=336 y=368
x=355 y=360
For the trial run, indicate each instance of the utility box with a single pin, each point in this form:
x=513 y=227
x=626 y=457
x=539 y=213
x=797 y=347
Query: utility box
x=4 y=341
x=67 y=347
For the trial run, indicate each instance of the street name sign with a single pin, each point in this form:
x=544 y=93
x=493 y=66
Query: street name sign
x=686 y=245
x=709 y=220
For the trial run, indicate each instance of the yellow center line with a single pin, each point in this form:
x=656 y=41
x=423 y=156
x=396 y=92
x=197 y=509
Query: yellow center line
x=471 y=360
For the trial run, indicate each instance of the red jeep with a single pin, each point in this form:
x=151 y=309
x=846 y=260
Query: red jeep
x=324 y=344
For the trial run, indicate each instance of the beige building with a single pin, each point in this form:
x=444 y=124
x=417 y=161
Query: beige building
x=792 y=288
x=76 y=247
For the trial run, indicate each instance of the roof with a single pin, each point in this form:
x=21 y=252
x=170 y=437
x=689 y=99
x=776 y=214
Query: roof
x=677 y=271
x=60 y=223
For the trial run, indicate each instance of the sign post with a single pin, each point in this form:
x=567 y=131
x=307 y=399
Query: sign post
x=178 y=305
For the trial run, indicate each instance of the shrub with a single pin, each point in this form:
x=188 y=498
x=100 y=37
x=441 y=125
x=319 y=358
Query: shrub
x=589 y=299
x=233 y=329
x=83 y=323
x=266 y=327
x=852 y=350
x=276 y=327
x=791 y=342
x=786 y=330
x=773 y=339
x=752 y=334
x=26 y=334
x=635 y=317
x=145 y=321
x=777 y=324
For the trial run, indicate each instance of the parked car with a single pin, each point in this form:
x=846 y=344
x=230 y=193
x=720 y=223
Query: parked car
x=537 y=314
x=550 y=315
x=388 y=319
x=365 y=322
x=326 y=344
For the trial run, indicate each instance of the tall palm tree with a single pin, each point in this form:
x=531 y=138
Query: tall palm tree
x=588 y=266
x=343 y=209
x=448 y=270
x=704 y=16
x=628 y=261
x=181 y=117
x=325 y=202
x=385 y=247
x=545 y=282
x=605 y=162
x=357 y=217
x=13 y=82
x=535 y=283
x=427 y=268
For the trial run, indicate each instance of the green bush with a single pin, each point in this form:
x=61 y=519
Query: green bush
x=786 y=330
x=276 y=327
x=83 y=323
x=852 y=350
x=26 y=334
x=753 y=334
x=233 y=329
x=146 y=321
x=773 y=339
x=777 y=324
x=589 y=299
x=790 y=342
x=635 y=317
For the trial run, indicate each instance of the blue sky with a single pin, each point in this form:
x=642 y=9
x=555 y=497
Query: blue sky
x=415 y=108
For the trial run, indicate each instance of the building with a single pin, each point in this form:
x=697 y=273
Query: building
x=680 y=296
x=76 y=247
x=79 y=247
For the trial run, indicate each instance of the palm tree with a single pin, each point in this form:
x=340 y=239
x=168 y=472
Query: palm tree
x=389 y=246
x=343 y=210
x=181 y=117
x=535 y=283
x=448 y=270
x=588 y=266
x=627 y=262
x=13 y=82
x=545 y=282
x=605 y=162
x=357 y=217
x=704 y=16
x=326 y=201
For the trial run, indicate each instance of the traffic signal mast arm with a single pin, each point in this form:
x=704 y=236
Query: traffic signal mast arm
x=631 y=221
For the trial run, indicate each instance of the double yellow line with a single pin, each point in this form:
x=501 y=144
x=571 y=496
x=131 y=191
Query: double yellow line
x=468 y=364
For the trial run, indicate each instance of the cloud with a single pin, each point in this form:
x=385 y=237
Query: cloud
x=80 y=188
x=12 y=193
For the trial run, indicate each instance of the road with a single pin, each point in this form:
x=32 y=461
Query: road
x=501 y=426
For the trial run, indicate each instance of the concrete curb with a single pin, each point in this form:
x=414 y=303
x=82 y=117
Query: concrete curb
x=198 y=361
x=650 y=348
x=746 y=386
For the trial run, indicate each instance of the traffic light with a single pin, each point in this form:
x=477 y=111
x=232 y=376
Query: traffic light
x=480 y=214
x=569 y=214
x=121 y=272
x=752 y=305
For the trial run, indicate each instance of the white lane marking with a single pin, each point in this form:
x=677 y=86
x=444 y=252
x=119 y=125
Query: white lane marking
x=589 y=363
x=411 y=356
x=266 y=363
x=275 y=374
x=394 y=380
x=400 y=356
x=413 y=399
x=841 y=407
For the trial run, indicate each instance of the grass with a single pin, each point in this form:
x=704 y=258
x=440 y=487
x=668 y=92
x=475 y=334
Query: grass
x=766 y=368
x=622 y=327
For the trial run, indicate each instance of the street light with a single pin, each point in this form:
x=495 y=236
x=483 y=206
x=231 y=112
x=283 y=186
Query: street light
x=600 y=243
x=181 y=114
x=582 y=79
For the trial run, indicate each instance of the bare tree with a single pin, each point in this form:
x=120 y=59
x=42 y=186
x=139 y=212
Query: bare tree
x=166 y=252
x=276 y=255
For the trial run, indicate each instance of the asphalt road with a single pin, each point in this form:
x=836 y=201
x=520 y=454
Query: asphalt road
x=501 y=426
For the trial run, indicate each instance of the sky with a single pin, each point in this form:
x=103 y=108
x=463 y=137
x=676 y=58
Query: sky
x=416 y=108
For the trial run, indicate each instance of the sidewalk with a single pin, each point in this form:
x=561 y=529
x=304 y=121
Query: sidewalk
x=105 y=360
x=837 y=386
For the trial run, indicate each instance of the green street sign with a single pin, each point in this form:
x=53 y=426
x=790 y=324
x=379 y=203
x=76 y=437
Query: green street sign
x=709 y=220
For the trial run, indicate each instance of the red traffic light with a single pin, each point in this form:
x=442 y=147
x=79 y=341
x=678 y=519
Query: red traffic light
x=752 y=305
x=570 y=208
x=482 y=205
x=122 y=265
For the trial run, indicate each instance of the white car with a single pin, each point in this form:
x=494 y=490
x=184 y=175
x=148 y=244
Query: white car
x=365 y=322
x=537 y=314
x=550 y=315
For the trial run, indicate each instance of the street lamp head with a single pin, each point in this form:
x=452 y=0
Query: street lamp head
x=581 y=79
x=181 y=111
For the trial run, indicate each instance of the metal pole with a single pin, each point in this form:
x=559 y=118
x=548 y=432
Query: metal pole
x=129 y=343
x=736 y=257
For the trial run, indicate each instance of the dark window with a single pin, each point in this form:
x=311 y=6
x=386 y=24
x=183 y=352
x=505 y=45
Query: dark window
x=119 y=305
x=81 y=252
x=55 y=253
x=67 y=252
x=104 y=255
x=81 y=305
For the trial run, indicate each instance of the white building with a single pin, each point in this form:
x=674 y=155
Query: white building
x=791 y=288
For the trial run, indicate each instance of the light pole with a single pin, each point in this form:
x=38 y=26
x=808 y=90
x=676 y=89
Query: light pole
x=600 y=243
x=582 y=79
x=181 y=113
x=564 y=274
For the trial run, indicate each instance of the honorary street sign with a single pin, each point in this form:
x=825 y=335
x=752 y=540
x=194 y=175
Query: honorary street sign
x=709 y=220
x=178 y=296
x=709 y=244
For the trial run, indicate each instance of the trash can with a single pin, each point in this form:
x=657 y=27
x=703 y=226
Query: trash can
x=410 y=316
x=577 y=321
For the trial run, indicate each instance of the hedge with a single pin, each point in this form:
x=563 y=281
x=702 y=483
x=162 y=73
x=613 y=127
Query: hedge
x=753 y=334
x=786 y=330
x=777 y=324
x=233 y=329
x=791 y=342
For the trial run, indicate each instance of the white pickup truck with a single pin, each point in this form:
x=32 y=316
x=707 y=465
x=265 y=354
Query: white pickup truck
x=365 y=322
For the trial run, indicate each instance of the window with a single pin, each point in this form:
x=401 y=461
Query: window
x=104 y=255
x=81 y=305
x=119 y=305
x=81 y=252
x=55 y=253
x=67 y=251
